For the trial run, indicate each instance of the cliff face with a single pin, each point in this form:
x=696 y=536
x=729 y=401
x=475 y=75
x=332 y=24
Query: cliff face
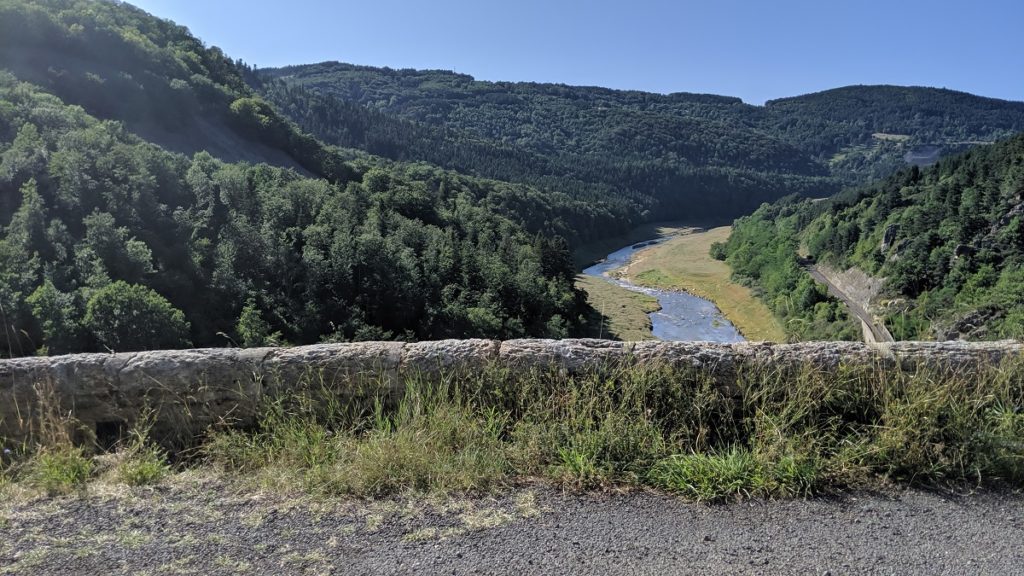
x=190 y=390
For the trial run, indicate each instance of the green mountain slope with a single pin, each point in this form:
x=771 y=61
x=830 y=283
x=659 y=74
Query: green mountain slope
x=154 y=192
x=649 y=156
x=867 y=132
x=111 y=241
x=687 y=155
x=949 y=240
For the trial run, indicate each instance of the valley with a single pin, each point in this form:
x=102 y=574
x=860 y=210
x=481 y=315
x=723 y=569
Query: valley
x=684 y=263
x=231 y=204
x=325 y=317
x=680 y=316
x=699 y=299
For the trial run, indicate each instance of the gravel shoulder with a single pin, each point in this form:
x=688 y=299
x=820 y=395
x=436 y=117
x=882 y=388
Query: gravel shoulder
x=201 y=525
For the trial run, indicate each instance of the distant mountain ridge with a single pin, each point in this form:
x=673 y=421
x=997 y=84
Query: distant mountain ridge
x=870 y=129
x=644 y=148
x=925 y=113
x=600 y=145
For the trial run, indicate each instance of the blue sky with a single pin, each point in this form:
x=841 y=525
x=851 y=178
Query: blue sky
x=754 y=49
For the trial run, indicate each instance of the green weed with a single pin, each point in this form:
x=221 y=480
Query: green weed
x=710 y=477
x=60 y=470
x=143 y=465
x=141 y=462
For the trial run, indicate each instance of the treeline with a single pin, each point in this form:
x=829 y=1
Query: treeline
x=666 y=154
x=949 y=240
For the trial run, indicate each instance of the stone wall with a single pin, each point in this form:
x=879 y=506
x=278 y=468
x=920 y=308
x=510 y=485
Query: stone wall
x=189 y=390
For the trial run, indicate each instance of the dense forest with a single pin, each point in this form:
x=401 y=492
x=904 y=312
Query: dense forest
x=763 y=254
x=949 y=240
x=111 y=242
x=826 y=122
x=669 y=155
x=643 y=166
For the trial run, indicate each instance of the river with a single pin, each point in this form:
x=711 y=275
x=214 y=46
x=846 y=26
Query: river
x=683 y=317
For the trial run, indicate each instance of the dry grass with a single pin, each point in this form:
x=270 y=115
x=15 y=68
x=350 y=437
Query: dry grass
x=789 y=432
x=684 y=263
x=624 y=312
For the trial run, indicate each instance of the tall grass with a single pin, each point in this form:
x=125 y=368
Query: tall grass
x=64 y=456
x=433 y=439
x=771 y=432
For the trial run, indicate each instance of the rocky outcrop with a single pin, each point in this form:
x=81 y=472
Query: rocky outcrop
x=187 y=391
x=889 y=236
x=860 y=286
x=971 y=325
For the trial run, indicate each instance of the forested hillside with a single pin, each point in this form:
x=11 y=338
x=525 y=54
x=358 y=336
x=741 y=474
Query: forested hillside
x=688 y=155
x=156 y=193
x=867 y=132
x=826 y=122
x=120 y=63
x=650 y=156
x=110 y=241
x=949 y=240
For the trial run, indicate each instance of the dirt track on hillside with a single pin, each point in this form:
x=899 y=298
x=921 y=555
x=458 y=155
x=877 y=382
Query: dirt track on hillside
x=879 y=332
x=205 y=528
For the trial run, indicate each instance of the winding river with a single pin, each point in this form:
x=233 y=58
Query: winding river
x=682 y=316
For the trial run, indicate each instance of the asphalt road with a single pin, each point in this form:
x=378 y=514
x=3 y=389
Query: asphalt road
x=879 y=332
x=207 y=528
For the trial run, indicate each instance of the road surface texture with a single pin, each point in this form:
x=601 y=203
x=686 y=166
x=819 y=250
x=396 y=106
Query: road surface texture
x=206 y=527
x=879 y=333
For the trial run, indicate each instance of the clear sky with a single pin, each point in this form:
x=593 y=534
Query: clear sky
x=754 y=49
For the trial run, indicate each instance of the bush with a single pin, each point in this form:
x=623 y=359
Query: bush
x=718 y=251
x=145 y=467
x=126 y=317
x=710 y=477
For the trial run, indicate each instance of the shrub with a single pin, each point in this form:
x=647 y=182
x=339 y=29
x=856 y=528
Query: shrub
x=710 y=477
